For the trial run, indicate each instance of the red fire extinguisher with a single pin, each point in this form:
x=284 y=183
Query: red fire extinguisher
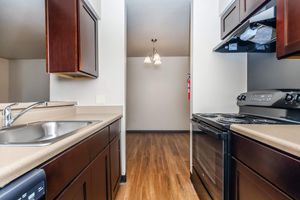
x=189 y=86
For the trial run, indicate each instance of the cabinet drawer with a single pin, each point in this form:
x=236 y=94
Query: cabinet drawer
x=98 y=142
x=199 y=187
x=115 y=130
x=247 y=7
x=249 y=185
x=61 y=170
x=230 y=19
x=278 y=168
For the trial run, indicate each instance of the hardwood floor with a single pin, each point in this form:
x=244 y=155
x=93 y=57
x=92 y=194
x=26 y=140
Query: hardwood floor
x=157 y=167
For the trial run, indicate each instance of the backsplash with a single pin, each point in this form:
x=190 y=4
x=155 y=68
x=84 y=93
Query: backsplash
x=266 y=72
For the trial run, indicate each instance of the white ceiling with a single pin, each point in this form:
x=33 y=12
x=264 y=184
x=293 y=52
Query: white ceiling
x=166 y=20
x=22 y=29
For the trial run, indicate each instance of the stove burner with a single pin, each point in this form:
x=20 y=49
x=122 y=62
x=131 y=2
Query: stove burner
x=231 y=115
x=264 y=121
x=209 y=115
x=232 y=120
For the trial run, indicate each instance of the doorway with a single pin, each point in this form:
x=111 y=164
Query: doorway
x=157 y=94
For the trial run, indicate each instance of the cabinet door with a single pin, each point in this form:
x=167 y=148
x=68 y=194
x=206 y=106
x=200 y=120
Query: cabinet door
x=88 y=40
x=247 y=7
x=230 y=19
x=62 y=36
x=115 y=172
x=100 y=177
x=79 y=189
x=288 y=28
x=247 y=185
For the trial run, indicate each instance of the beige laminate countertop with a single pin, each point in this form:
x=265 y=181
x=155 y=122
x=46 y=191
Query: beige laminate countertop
x=283 y=137
x=16 y=161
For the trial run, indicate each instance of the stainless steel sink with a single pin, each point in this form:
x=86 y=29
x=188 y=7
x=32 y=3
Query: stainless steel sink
x=40 y=133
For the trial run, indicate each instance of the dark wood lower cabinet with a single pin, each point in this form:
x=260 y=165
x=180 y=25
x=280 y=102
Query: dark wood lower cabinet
x=247 y=185
x=261 y=172
x=89 y=170
x=92 y=183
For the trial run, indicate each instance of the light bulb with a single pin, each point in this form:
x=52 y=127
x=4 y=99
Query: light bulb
x=147 y=60
x=157 y=62
x=156 y=57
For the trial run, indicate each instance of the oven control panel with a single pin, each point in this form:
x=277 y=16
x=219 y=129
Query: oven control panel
x=271 y=98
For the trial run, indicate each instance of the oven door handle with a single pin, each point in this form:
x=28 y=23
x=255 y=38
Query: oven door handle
x=207 y=130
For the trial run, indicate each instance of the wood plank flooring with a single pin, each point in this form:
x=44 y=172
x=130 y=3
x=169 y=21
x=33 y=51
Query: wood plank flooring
x=157 y=167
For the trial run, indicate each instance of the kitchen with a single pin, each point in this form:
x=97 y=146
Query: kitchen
x=87 y=152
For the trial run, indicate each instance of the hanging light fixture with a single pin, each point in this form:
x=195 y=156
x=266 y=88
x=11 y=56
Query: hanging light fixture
x=155 y=57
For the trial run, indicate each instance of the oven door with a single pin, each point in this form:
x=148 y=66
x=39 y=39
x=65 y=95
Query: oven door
x=210 y=158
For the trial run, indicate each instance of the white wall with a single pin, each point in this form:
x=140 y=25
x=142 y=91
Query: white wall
x=4 y=80
x=217 y=78
x=157 y=95
x=28 y=80
x=110 y=86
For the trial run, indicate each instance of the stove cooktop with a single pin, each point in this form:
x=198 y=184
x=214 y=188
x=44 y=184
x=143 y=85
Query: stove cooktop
x=224 y=120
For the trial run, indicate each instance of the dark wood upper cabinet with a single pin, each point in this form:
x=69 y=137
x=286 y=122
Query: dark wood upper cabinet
x=72 y=38
x=247 y=7
x=288 y=28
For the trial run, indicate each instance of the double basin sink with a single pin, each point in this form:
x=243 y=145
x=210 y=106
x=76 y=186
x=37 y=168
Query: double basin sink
x=40 y=133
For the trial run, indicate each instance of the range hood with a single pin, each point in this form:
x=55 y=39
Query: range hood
x=257 y=34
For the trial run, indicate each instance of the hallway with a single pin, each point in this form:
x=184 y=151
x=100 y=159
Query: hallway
x=157 y=167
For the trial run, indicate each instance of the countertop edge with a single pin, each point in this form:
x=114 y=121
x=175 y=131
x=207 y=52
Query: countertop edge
x=280 y=144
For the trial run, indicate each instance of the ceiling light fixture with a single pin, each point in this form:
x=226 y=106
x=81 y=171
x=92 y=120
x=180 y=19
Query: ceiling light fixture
x=155 y=57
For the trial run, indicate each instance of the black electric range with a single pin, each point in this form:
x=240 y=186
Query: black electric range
x=211 y=135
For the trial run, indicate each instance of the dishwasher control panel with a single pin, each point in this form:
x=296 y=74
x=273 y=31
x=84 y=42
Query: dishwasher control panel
x=31 y=186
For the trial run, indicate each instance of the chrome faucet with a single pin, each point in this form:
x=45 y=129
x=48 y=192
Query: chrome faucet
x=8 y=119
